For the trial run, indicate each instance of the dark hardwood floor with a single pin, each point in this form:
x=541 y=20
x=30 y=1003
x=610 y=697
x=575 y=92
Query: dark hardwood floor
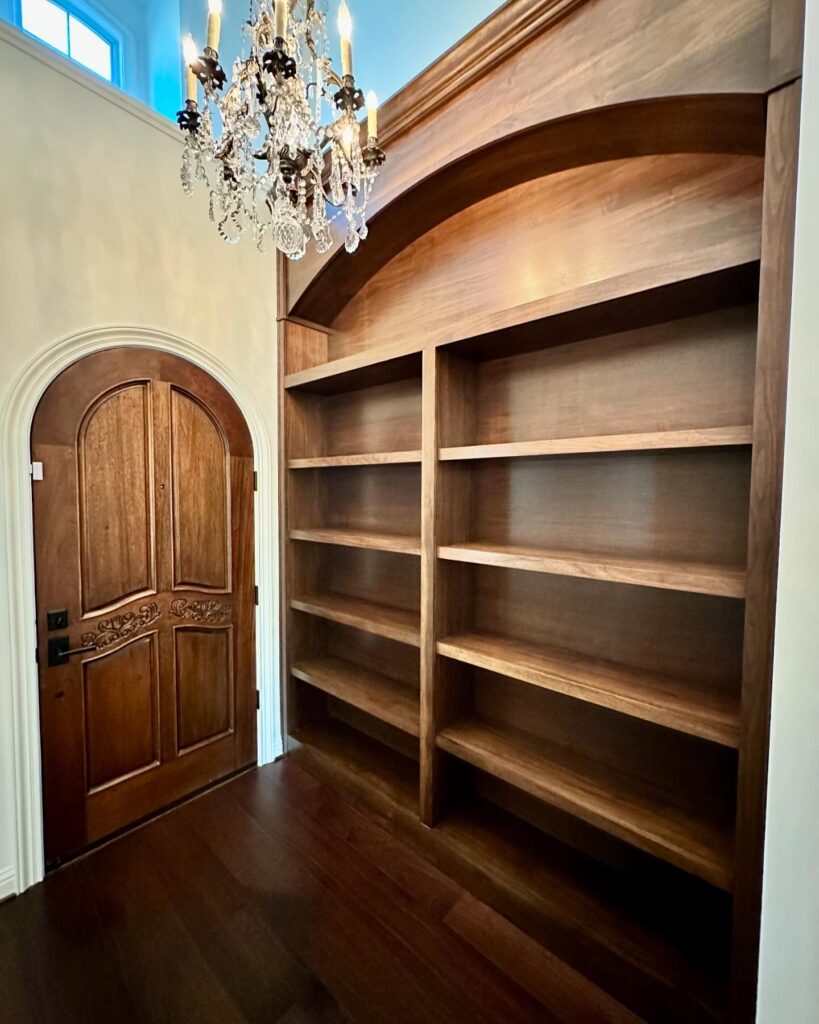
x=270 y=900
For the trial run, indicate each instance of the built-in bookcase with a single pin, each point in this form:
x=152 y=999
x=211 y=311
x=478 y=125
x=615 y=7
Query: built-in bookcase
x=530 y=479
x=583 y=484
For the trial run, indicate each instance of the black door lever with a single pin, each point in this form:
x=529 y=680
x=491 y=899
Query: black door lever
x=59 y=651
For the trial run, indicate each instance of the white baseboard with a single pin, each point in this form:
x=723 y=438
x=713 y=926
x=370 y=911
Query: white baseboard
x=8 y=883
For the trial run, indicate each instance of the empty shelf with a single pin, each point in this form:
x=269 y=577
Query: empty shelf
x=675 y=703
x=353 y=759
x=623 y=807
x=381 y=620
x=712 y=437
x=396 y=542
x=693 y=577
x=377 y=695
x=343 y=461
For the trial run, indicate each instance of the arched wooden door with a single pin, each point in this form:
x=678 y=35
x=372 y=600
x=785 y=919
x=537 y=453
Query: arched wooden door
x=143 y=527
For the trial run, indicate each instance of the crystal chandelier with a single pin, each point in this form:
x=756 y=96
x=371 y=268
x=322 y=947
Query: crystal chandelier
x=271 y=158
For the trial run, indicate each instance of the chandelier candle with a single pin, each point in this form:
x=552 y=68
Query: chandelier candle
x=372 y=115
x=281 y=18
x=345 y=28
x=214 y=24
x=191 y=55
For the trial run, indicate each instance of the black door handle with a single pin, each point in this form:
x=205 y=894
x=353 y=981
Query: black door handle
x=59 y=651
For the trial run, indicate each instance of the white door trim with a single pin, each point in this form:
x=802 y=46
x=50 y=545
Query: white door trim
x=15 y=438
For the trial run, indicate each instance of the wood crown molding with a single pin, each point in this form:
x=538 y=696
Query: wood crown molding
x=487 y=46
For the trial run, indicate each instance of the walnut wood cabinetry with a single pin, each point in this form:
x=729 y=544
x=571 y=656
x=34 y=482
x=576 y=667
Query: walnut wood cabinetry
x=531 y=468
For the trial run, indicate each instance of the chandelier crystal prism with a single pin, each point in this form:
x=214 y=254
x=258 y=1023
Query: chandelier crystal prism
x=280 y=148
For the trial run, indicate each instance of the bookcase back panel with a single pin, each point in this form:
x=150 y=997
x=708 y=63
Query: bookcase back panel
x=691 y=506
x=686 y=374
x=366 y=498
x=556 y=234
x=684 y=636
x=376 y=576
x=398 y=661
x=366 y=725
x=379 y=419
x=690 y=772
x=660 y=895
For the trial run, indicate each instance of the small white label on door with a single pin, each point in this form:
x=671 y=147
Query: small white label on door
x=36 y=471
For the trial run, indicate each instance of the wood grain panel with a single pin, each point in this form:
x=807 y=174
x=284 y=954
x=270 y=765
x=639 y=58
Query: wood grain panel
x=606 y=52
x=689 y=636
x=776 y=285
x=636 y=814
x=113 y=461
x=204 y=685
x=638 y=211
x=201 y=489
x=368 y=498
x=121 y=700
x=676 y=376
x=678 y=505
x=696 y=124
x=115 y=490
x=392 y=658
x=385 y=418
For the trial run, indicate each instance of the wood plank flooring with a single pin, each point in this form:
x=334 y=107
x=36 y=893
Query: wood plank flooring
x=272 y=899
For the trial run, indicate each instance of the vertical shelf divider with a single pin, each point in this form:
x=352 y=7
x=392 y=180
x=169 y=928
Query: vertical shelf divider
x=446 y=591
x=431 y=786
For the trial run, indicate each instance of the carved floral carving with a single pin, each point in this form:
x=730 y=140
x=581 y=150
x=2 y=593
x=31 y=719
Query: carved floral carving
x=120 y=627
x=210 y=612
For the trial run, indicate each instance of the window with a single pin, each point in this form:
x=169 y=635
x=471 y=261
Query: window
x=73 y=34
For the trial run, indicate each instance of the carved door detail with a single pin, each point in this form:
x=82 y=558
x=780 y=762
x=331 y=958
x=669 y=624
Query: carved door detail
x=144 y=539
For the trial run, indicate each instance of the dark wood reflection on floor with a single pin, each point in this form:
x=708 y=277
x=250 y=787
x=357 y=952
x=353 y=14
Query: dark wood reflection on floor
x=270 y=900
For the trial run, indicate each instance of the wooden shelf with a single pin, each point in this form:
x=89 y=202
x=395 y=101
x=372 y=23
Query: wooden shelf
x=353 y=760
x=343 y=461
x=621 y=806
x=682 y=288
x=381 y=620
x=377 y=695
x=362 y=370
x=712 y=437
x=395 y=542
x=674 y=703
x=624 y=935
x=692 y=577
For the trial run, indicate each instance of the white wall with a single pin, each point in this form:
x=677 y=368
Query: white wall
x=789 y=980
x=96 y=231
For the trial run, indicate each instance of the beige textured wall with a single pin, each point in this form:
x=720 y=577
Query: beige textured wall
x=96 y=231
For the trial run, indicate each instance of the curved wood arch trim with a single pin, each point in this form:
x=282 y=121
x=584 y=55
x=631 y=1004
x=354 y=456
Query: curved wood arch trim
x=731 y=124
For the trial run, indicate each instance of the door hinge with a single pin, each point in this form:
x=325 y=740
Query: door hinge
x=258 y=700
x=36 y=471
x=256 y=596
x=255 y=480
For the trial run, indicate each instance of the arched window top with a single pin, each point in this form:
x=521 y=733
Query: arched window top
x=72 y=30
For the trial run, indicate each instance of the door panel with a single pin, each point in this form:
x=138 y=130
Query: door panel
x=204 y=698
x=121 y=696
x=116 y=506
x=144 y=538
x=201 y=485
